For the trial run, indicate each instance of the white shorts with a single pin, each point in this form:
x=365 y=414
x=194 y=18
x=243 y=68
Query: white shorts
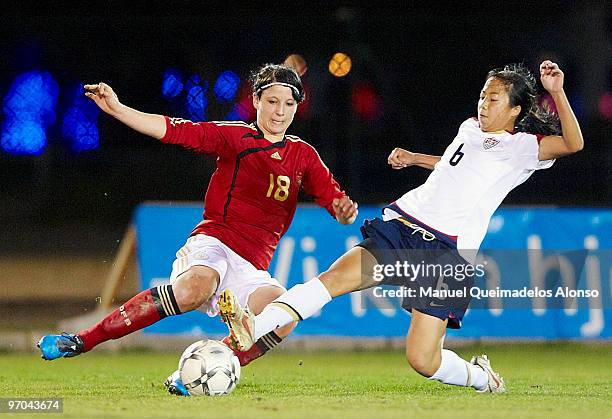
x=235 y=273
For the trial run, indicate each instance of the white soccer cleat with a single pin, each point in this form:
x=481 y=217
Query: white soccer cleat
x=496 y=383
x=239 y=321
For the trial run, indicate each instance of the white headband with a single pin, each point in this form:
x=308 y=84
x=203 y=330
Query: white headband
x=292 y=87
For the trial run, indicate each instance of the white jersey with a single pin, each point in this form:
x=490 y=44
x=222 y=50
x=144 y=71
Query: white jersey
x=476 y=172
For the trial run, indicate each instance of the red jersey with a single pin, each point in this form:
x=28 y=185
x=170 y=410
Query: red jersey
x=252 y=195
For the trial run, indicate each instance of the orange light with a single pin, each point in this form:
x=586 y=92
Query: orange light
x=298 y=63
x=340 y=64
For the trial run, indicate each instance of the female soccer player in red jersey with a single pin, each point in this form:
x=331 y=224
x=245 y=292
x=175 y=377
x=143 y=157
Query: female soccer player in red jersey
x=442 y=221
x=249 y=204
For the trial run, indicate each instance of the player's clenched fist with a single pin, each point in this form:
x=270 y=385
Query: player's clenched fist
x=400 y=158
x=104 y=96
x=551 y=76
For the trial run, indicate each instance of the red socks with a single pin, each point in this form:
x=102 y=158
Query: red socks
x=263 y=345
x=140 y=311
x=147 y=308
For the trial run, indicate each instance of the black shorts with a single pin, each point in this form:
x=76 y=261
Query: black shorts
x=429 y=265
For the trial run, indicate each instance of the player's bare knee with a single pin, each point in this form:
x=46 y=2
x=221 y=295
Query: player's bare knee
x=194 y=288
x=189 y=298
x=423 y=363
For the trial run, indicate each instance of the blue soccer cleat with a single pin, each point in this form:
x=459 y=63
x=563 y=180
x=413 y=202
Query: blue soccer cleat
x=60 y=346
x=175 y=385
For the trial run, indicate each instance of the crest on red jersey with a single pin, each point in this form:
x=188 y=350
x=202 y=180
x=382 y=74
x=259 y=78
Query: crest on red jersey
x=490 y=143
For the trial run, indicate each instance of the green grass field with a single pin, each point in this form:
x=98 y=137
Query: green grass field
x=544 y=380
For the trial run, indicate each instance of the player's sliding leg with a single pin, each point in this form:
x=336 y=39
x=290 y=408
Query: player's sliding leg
x=191 y=289
x=351 y=272
x=425 y=354
x=260 y=298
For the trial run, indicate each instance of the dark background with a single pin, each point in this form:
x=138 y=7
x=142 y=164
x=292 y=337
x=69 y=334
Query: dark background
x=426 y=63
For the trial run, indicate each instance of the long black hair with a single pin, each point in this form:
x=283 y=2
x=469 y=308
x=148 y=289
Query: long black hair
x=521 y=85
x=277 y=73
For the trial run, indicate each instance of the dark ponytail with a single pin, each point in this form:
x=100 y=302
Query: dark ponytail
x=521 y=85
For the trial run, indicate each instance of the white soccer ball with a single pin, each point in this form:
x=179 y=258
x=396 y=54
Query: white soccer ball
x=209 y=368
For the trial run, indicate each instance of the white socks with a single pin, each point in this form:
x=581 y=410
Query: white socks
x=458 y=372
x=299 y=303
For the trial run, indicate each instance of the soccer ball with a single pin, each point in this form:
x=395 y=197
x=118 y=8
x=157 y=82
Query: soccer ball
x=208 y=367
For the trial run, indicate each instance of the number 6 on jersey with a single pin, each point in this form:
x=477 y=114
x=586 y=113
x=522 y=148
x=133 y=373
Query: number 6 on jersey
x=454 y=161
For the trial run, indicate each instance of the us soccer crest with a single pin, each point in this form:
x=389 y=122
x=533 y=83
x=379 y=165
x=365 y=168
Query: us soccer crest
x=490 y=143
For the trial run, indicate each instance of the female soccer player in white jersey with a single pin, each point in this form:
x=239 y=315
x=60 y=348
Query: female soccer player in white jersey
x=249 y=205
x=511 y=137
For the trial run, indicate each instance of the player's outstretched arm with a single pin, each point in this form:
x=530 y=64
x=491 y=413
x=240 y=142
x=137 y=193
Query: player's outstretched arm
x=149 y=124
x=571 y=141
x=400 y=158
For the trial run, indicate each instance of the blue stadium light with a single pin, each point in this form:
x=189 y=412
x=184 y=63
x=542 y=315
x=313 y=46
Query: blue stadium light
x=234 y=114
x=196 y=80
x=23 y=137
x=226 y=86
x=32 y=95
x=196 y=103
x=80 y=123
x=172 y=83
x=238 y=113
x=29 y=107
